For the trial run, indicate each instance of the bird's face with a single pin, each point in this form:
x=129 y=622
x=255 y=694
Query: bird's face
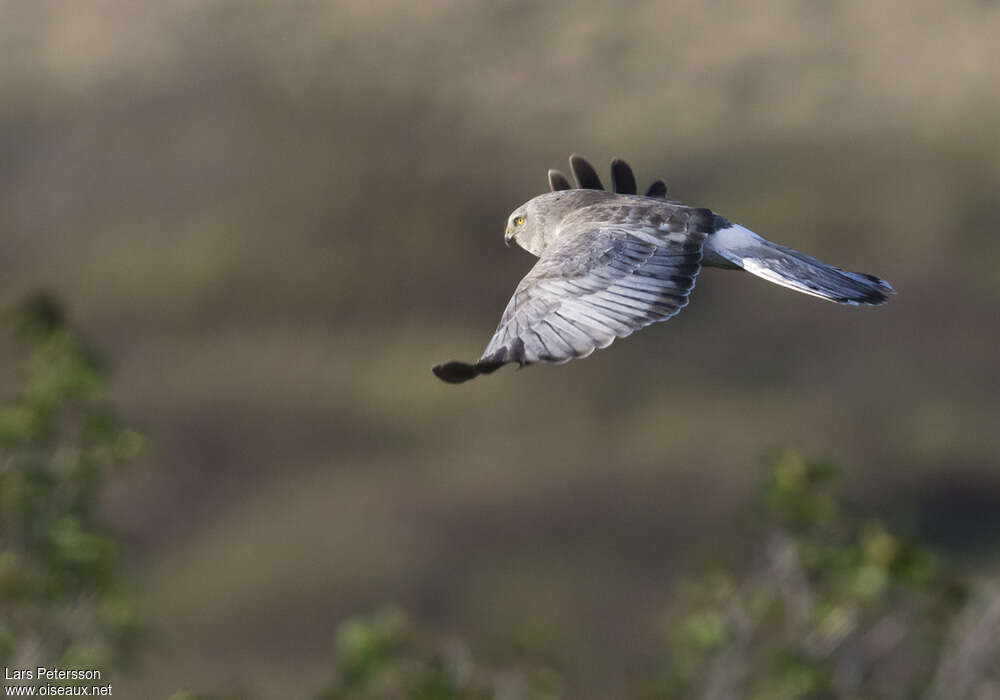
x=526 y=226
x=517 y=226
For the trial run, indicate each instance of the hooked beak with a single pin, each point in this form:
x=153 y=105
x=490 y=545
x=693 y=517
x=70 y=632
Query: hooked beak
x=509 y=235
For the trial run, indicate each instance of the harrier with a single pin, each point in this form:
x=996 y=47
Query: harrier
x=610 y=263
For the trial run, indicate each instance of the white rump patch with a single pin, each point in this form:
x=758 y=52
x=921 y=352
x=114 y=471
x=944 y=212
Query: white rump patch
x=733 y=240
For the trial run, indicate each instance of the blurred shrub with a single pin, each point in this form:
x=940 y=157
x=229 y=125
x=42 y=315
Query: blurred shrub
x=833 y=606
x=384 y=656
x=61 y=601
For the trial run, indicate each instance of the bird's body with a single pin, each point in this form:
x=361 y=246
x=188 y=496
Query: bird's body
x=613 y=262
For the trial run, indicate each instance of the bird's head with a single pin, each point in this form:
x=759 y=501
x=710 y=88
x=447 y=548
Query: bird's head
x=533 y=223
x=519 y=226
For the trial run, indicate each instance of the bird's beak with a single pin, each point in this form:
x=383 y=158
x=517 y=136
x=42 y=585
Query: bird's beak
x=508 y=235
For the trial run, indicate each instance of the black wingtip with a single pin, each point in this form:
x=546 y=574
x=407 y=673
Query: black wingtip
x=455 y=372
x=558 y=181
x=583 y=171
x=622 y=179
x=658 y=190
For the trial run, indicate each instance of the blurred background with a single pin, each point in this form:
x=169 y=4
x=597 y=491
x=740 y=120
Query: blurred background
x=274 y=217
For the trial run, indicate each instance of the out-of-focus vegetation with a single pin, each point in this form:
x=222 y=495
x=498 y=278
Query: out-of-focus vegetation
x=277 y=216
x=385 y=656
x=62 y=601
x=833 y=605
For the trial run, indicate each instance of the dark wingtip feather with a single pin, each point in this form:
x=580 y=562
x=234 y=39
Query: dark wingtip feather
x=658 y=189
x=455 y=372
x=583 y=171
x=558 y=181
x=622 y=179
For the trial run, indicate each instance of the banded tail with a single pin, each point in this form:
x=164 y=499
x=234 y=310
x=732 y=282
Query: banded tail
x=734 y=246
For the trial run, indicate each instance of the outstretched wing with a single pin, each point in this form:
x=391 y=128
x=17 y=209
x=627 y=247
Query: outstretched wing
x=598 y=282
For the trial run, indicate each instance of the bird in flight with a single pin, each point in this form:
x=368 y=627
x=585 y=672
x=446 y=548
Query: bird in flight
x=610 y=263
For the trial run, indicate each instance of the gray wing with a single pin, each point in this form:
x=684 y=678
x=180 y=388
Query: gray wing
x=597 y=283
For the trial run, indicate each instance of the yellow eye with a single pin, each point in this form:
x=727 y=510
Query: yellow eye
x=519 y=221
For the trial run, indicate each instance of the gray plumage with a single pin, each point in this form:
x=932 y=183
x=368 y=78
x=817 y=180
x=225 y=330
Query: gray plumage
x=610 y=263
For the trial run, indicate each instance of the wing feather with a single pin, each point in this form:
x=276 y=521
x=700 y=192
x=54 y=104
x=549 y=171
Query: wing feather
x=600 y=327
x=583 y=171
x=622 y=179
x=558 y=181
x=658 y=190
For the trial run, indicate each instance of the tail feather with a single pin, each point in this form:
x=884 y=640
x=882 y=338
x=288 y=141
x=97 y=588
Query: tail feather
x=790 y=268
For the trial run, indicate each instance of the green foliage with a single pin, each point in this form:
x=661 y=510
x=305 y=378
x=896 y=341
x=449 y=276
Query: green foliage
x=384 y=656
x=61 y=601
x=834 y=606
